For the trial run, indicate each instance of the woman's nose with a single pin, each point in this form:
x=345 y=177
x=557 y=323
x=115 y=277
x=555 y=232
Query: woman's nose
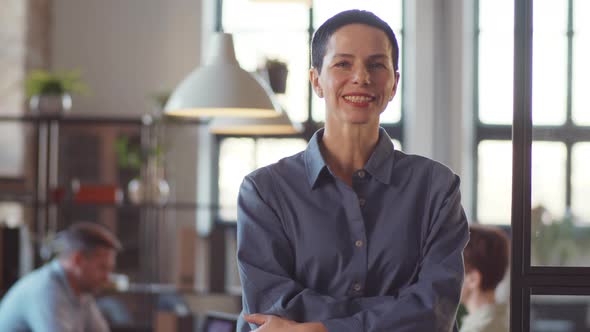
x=362 y=76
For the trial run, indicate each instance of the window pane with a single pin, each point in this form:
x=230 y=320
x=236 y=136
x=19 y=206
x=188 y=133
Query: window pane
x=562 y=239
x=252 y=48
x=390 y=12
x=494 y=179
x=548 y=177
x=552 y=313
x=581 y=183
x=240 y=15
x=549 y=62
x=496 y=39
x=552 y=236
x=581 y=66
x=236 y=160
x=494 y=184
x=271 y=150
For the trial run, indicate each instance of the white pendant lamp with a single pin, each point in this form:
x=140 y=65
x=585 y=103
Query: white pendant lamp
x=278 y=125
x=221 y=88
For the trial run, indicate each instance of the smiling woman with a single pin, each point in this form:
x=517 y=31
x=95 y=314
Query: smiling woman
x=351 y=234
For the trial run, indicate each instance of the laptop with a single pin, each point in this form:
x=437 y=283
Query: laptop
x=220 y=322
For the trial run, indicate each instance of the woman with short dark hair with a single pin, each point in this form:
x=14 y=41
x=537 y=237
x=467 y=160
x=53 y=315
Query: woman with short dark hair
x=351 y=234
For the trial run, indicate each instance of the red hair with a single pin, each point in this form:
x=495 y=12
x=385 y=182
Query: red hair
x=487 y=252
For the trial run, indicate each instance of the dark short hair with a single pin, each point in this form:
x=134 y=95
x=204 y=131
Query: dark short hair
x=354 y=16
x=85 y=237
x=487 y=252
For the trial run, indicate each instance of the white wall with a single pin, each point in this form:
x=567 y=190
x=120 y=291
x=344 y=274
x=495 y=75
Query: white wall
x=438 y=78
x=126 y=49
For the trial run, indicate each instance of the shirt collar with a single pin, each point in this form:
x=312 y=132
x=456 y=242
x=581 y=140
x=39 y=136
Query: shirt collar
x=381 y=161
x=379 y=164
x=59 y=270
x=314 y=161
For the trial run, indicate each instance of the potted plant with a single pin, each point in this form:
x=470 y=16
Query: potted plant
x=146 y=158
x=49 y=93
x=150 y=187
x=277 y=75
x=558 y=241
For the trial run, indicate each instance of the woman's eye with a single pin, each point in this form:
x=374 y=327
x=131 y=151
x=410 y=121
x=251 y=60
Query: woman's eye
x=342 y=64
x=376 y=65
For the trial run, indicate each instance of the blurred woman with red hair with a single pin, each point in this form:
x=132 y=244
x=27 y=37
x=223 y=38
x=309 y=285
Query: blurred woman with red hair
x=486 y=262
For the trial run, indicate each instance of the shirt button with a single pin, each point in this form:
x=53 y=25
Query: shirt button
x=361 y=174
x=358 y=243
x=357 y=287
x=362 y=201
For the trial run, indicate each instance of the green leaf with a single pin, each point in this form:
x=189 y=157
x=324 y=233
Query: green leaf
x=45 y=82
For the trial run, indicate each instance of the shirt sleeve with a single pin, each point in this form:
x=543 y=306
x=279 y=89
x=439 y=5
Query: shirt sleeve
x=266 y=264
x=266 y=267
x=431 y=302
x=51 y=313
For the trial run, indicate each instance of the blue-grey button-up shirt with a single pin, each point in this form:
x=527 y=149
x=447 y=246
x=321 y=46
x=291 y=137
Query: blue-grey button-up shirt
x=382 y=255
x=43 y=301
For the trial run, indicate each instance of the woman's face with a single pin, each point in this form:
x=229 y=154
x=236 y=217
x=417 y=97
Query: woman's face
x=357 y=79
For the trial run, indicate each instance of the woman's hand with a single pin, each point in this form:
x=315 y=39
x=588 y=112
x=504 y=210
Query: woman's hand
x=271 y=323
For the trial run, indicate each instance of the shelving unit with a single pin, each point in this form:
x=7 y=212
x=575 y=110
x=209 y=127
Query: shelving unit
x=60 y=150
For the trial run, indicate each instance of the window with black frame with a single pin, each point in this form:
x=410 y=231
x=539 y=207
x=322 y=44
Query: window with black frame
x=284 y=35
x=561 y=111
x=550 y=219
x=551 y=234
x=560 y=221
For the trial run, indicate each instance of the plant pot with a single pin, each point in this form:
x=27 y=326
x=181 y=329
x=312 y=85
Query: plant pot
x=148 y=191
x=277 y=77
x=50 y=104
x=150 y=188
